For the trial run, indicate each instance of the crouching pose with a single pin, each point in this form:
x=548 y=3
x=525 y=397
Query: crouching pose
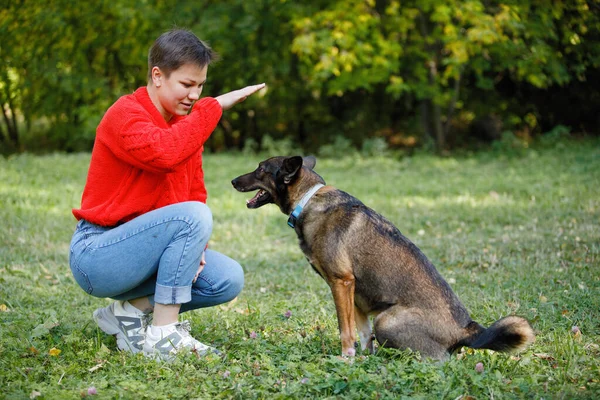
x=143 y=223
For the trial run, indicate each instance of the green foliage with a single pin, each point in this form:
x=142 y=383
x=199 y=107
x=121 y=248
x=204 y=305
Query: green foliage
x=341 y=147
x=556 y=136
x=73 y=60
x=374 y=147
x=357 y=67
x=510 y=145
x=514 y=235
x=283 y=147
x=421 y=51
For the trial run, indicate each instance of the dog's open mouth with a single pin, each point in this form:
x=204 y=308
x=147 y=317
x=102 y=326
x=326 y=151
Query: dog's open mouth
x=261 y=198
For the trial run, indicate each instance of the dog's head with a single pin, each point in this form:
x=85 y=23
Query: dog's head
x=279 y=180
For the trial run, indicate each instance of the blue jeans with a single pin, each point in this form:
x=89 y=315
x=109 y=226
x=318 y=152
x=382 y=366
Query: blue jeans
x=156 y=255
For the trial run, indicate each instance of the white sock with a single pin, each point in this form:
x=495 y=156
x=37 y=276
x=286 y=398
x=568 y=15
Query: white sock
x=161 y=330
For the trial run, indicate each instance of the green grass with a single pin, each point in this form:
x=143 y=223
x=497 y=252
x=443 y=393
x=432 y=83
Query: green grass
x=513 y=234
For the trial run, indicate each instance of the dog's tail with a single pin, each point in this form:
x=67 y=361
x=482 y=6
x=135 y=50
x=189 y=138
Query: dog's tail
x=507 y=334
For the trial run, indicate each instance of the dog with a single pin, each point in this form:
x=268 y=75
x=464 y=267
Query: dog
x=372 y=269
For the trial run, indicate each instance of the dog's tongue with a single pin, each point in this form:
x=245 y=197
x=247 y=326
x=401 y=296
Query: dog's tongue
x=253 y=200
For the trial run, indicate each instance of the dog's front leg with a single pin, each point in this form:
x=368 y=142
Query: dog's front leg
x=343 y=296
x=364 y=330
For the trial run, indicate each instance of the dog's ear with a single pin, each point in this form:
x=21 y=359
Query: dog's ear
x=309 y=162
x=290 y=168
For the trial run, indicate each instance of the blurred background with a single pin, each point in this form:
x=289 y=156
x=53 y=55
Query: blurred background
x=351 y=75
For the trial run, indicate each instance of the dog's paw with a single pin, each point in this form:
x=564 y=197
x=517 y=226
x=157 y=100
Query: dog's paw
x=349 y=352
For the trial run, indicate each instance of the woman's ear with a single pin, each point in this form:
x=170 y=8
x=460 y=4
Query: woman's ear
x=157 y=76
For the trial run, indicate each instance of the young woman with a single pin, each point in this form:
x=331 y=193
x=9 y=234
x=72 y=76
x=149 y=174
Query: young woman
x=143 y=223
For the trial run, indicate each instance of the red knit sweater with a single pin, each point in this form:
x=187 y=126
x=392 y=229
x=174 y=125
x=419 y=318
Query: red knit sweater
x=140 y=162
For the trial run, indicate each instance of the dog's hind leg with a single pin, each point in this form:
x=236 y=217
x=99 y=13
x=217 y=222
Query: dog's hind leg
x=408 y=328
x=363 y=325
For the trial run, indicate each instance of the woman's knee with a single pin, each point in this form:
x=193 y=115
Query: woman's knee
x=203 y=216
x=199 y=217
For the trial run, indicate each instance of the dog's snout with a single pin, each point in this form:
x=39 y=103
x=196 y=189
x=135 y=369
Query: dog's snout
x=237 y=185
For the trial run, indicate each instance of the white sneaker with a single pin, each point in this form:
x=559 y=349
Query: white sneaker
x=128 y=327
x=166 y=341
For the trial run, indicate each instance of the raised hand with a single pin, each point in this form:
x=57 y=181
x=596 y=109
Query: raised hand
x=230 y=99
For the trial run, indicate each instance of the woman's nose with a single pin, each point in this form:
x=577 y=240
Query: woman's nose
x=194 y=94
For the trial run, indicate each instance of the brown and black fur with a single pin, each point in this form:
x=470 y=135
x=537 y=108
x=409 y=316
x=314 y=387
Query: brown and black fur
x=373 y=270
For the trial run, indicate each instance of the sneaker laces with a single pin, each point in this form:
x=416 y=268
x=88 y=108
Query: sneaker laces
x=146 y=320
x=185 y=326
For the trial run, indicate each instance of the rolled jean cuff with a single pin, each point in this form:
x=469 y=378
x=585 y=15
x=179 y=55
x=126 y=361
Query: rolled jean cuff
x=172 y=295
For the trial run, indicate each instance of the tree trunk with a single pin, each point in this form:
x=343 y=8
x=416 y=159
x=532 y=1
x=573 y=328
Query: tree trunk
x=435 y=113
x=11 y=126
x=452 y=105
x=436 y=122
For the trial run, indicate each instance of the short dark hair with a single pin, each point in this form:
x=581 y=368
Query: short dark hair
x=177 y=47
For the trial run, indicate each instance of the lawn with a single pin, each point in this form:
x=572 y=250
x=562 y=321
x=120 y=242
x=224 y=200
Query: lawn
x=512 y=234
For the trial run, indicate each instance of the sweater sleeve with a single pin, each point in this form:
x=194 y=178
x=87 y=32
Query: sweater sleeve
x=139 y=141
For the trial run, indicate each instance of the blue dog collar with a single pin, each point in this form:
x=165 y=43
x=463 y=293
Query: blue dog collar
x=298 y=209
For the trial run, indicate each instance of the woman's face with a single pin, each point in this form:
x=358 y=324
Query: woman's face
x=178 y=92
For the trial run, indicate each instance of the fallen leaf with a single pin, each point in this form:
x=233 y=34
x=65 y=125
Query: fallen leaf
x=543 y=356
x=97 y=366
x=43 y=329
x=103 y=352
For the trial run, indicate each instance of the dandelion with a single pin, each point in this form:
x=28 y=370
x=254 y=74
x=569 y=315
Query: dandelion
x=54 y=352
